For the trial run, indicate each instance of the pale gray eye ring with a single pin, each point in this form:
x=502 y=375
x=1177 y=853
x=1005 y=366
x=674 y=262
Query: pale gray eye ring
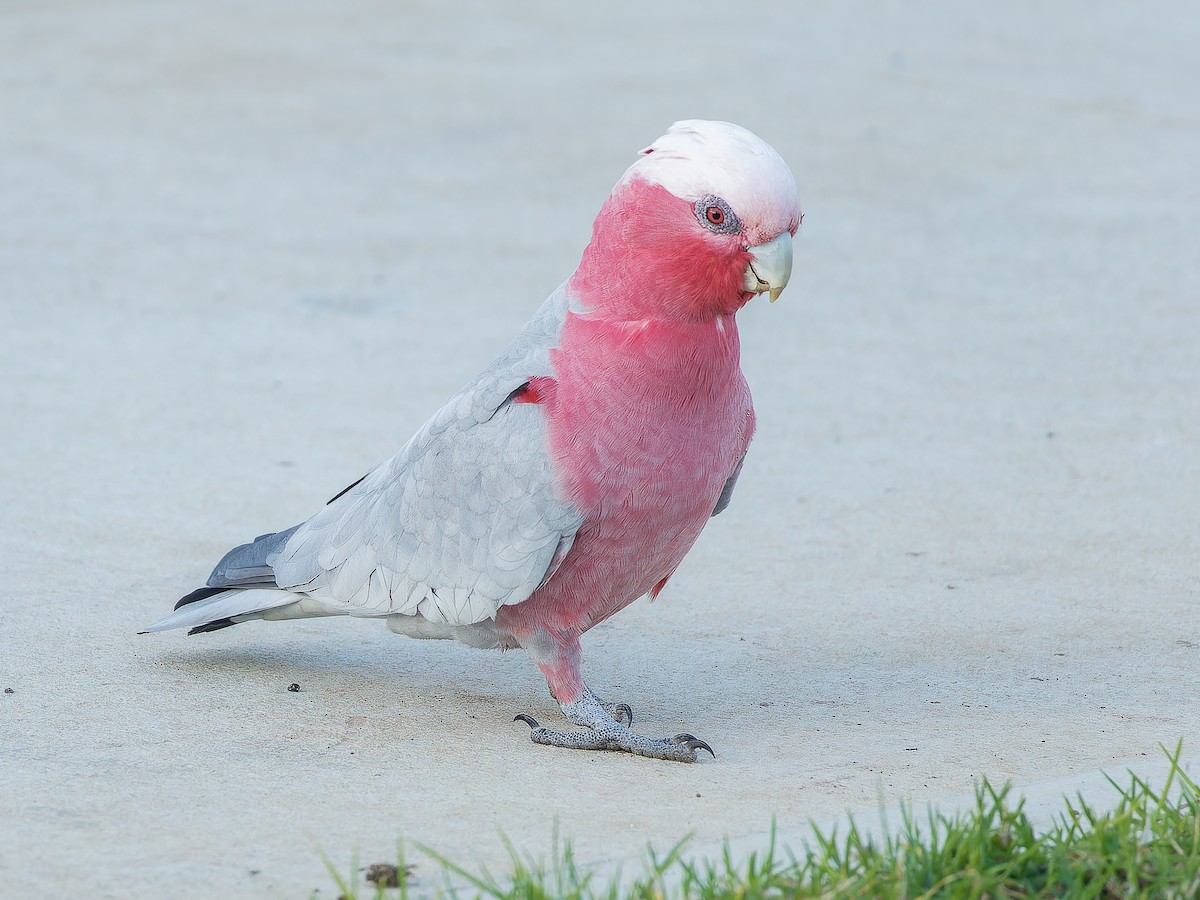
x=714 y=214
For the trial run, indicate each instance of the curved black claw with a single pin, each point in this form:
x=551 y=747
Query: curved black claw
x=532 y=722
x=627 y=710
x=694 y=743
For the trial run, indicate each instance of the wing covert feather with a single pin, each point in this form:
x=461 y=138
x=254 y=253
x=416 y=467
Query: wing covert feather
x=465 y=519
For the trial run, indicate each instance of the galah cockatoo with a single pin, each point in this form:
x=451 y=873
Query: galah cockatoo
x=571 y=476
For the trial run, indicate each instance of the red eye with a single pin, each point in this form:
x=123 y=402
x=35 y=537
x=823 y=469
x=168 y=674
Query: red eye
x=714 y=214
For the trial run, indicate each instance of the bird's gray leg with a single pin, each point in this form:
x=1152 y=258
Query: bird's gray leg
x=606 y=733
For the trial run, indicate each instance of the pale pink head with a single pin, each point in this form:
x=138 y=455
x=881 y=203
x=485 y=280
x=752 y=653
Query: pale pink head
x=698 y=225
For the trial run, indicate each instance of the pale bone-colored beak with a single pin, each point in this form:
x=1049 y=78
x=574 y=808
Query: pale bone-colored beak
x=770 y=267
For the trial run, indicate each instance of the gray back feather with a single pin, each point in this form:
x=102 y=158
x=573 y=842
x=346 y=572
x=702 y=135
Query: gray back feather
x=727 y=490
x=246 y=565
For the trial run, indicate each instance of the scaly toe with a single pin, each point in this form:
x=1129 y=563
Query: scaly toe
x=620 y=712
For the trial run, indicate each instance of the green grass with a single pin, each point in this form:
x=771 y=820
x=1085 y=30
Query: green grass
x=1146 y=845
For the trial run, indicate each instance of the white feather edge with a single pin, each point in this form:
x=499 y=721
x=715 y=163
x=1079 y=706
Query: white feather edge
x=254 y=603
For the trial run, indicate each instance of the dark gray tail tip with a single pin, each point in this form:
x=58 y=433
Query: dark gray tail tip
x=211 y=626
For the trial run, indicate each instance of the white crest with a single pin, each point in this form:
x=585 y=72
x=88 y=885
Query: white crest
x=697 y=157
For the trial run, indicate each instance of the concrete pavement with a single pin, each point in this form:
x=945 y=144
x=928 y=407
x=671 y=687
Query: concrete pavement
x=965 y=542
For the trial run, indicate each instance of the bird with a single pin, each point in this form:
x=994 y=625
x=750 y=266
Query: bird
x=570 y=477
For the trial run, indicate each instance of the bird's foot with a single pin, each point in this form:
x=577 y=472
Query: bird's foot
x=607 y=733
x=681 y=747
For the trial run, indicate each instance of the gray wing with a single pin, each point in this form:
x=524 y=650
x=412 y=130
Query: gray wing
x=463 y=520
x=727 y=491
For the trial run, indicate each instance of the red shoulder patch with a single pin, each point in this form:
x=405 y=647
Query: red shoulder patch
x=535 y=390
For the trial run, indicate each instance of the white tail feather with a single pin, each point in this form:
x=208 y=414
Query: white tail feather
x=238 y=604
